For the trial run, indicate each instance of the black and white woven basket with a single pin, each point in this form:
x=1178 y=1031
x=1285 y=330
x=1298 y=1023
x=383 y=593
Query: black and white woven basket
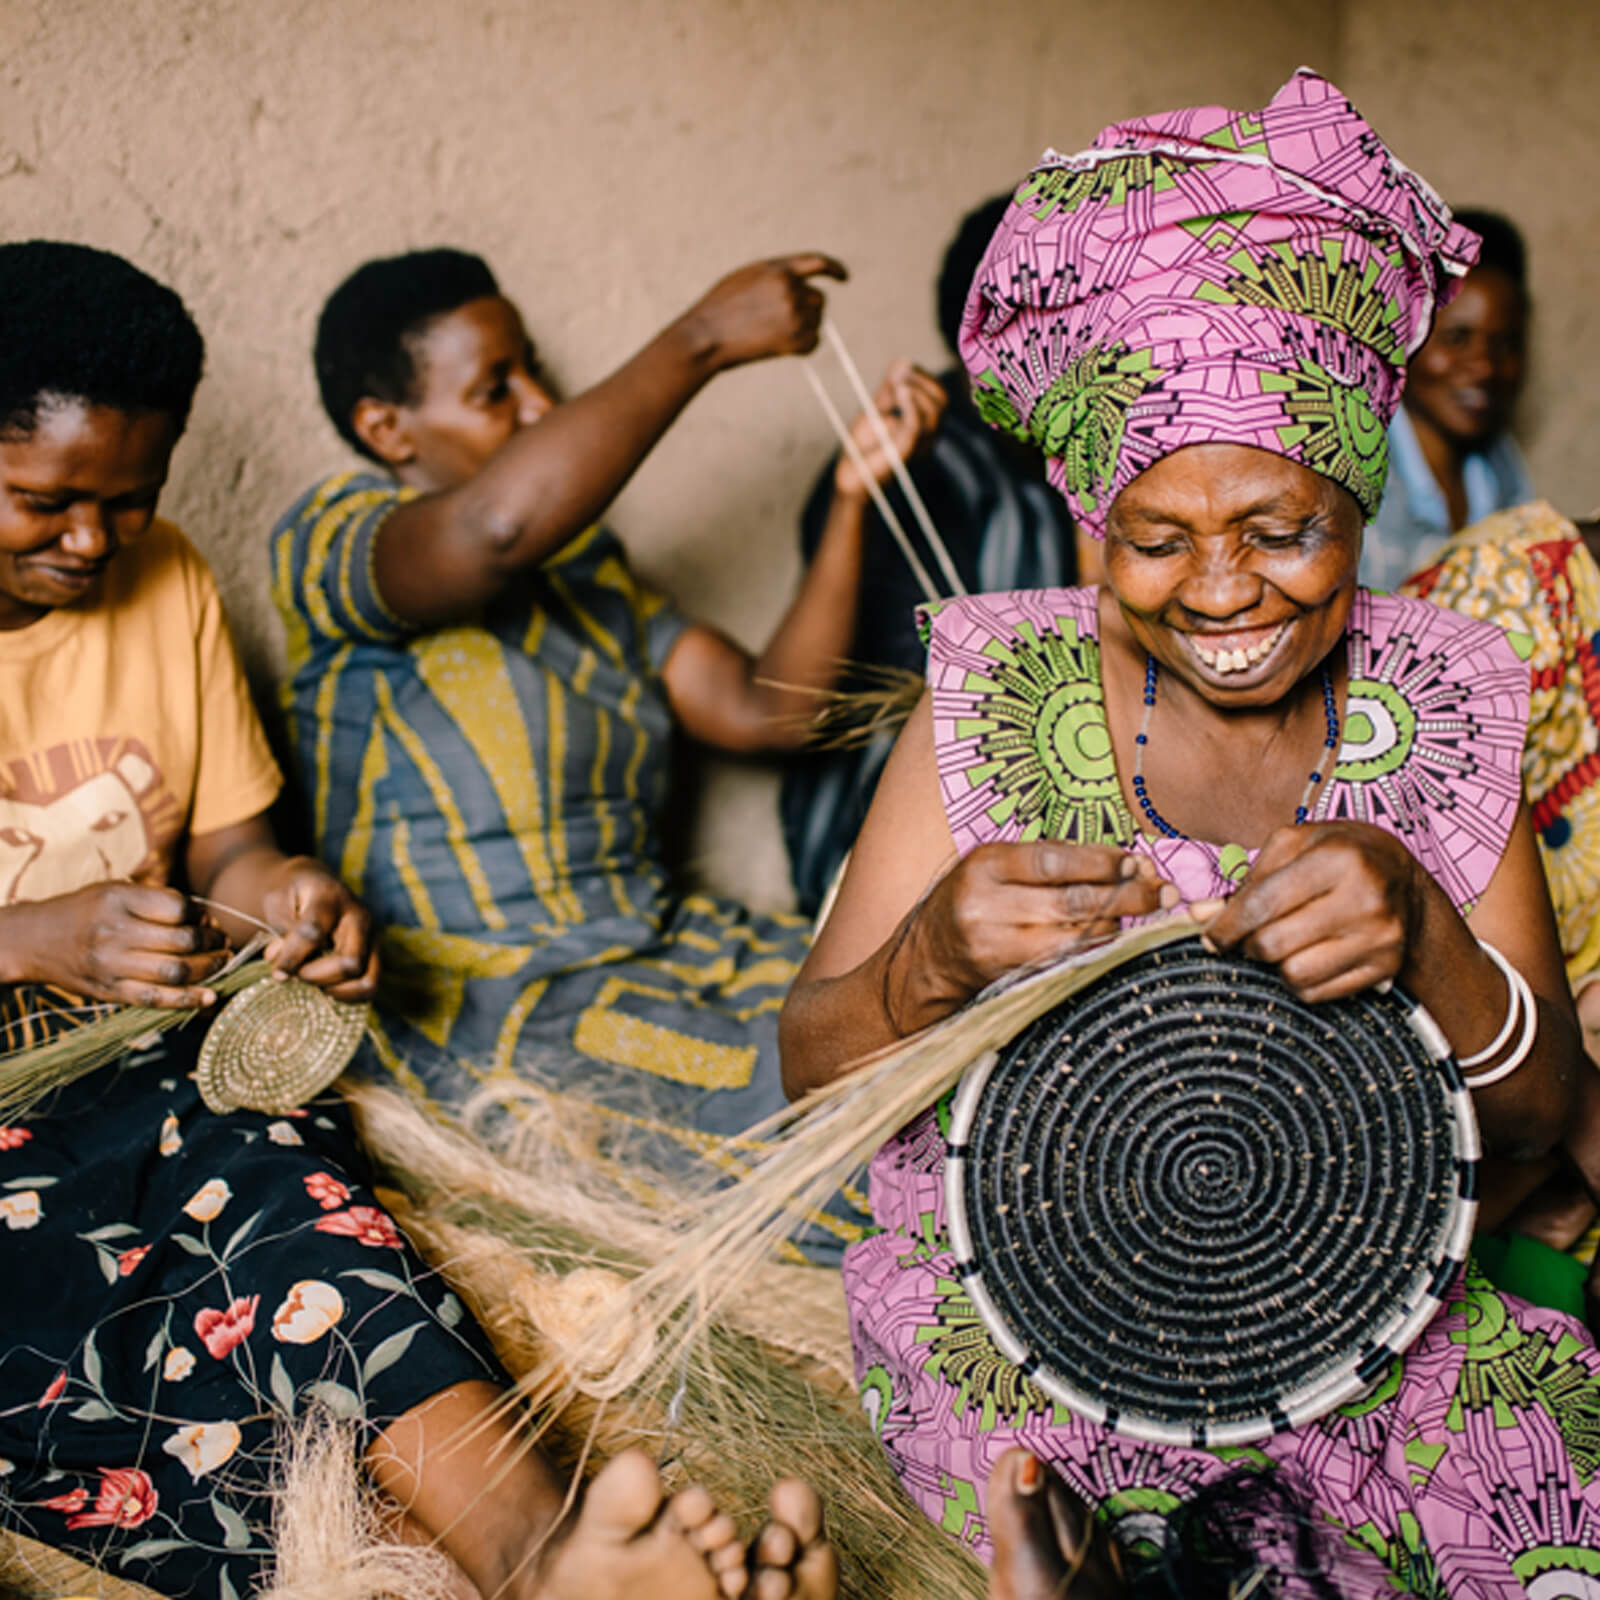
x=1200 y=1211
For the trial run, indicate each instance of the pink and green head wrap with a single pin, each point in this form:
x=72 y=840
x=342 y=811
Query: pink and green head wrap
x=1211 y=277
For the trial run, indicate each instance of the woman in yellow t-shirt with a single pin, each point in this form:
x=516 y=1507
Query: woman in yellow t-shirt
x=190 y=1279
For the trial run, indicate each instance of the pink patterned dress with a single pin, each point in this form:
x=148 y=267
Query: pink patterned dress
x=1471 y=1468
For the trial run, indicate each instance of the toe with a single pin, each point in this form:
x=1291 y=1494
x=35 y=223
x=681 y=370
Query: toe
x=797 y=1505
x=623 y=1501
x=776 y=1546
x=692 y=1509
x=1028 y=1562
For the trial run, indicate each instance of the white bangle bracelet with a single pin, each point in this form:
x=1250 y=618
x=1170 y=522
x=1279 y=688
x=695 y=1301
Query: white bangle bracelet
x=1524 y=1001
x=1513 y=1012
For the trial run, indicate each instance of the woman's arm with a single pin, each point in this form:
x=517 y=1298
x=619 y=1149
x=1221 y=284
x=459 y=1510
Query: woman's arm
x=324 y=932
x=443 y=555
x=1338 y=907
x=897 y=955
x=725 y=697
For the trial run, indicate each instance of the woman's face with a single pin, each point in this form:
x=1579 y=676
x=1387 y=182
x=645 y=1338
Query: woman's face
x=477 y=384
x=71 y=491
x=1235 y=568
x=1465 y=380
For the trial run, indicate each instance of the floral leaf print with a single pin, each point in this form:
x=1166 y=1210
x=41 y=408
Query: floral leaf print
x=187 y=1242
x=377 y=1280
x=235 y=1535
x=342 y=1402
x=389 y=1352
x=366 y=1223
x=94 y=1411
x=149 y=1549
x=108 y=1265
x=451 y=1311
x=42 y=1181
x=112 y=1230
x=238 y=1236
x=91 y=1363
x=221 y=1331
x=152 y=1351
x=282 y=1385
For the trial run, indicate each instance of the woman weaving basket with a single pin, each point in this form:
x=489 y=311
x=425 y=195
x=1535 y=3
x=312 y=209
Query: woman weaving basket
x=1203 y=323
x=184 y=1282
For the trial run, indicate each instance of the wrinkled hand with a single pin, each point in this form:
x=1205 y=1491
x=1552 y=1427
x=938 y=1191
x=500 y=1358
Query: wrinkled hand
x=123 y=942
x=325 y=933
x=1006 y=905
x=769 y=308
x=1334 y=906
x=912 y=404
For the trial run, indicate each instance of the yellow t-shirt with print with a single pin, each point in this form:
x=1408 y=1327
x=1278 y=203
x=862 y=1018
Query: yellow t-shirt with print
x=125 y=726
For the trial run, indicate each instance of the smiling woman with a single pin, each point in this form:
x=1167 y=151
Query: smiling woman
x=1203 y=323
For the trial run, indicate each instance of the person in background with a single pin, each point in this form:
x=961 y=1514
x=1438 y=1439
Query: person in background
x=1452 y=460
x=482 y=697
x=1004 y=528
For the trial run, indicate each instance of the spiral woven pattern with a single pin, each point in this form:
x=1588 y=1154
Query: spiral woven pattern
x=1198 y=1210
x=276 y=1045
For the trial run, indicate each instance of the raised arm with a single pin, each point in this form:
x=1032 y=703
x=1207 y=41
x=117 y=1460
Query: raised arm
x=915 y=933
x=725 y=696
x=446 y=553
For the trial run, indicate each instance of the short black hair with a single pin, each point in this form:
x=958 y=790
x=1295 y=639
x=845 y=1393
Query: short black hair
x=365 y=332
x=83 y=324
x=960 y=266
x=1503 y=246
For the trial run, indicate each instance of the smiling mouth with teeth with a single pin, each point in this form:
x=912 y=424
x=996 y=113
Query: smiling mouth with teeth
x=1239 y=658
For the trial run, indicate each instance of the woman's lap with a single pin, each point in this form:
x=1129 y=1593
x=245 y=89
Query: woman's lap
x=185 y=1284
x=1475 y=1464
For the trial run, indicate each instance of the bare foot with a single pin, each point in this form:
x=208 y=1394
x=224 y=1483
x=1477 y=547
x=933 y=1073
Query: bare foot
x=1046 y=1544
x=630 y=1540
x=792 y=1556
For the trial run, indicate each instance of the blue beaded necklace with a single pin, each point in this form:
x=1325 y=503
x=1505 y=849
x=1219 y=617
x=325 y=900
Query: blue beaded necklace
x=1330 y=706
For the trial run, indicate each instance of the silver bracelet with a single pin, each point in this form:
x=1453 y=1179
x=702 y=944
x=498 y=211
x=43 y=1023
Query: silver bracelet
x=1513 y=1011
x=1520 y=1004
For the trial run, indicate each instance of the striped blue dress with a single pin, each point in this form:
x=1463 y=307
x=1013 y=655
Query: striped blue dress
x=493 y=790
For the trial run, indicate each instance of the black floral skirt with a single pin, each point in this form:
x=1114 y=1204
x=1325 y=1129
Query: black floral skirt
x=181 y=1286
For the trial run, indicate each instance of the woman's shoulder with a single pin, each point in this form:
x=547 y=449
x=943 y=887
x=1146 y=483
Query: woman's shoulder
x=1402 y=635
x=337 y=499
x=1435 y=718
x=975 y=620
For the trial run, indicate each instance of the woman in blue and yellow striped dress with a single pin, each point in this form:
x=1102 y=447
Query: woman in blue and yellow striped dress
x=482 y=695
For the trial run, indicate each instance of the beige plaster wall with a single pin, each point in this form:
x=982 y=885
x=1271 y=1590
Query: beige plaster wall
x=1496 y=105
x=611 y=157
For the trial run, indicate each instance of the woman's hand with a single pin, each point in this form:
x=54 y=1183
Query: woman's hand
x=912 y=404
x=1002 y=907
x=325 y=933
x=1334 y=906
x=122 y=942
x=769 y=308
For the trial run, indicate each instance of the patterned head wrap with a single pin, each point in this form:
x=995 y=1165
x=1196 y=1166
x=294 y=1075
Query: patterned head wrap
x=1211 y=276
